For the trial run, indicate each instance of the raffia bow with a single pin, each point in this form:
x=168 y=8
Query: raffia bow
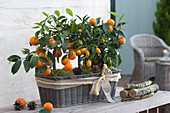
x=103 y=82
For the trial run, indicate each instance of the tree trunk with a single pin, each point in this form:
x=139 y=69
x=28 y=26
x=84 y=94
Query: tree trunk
x=54 y=54
x=79 y=65
x=143 y=91
x=135 y=86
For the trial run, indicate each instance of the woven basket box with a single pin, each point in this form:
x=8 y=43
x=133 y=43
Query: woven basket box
x=74 y=95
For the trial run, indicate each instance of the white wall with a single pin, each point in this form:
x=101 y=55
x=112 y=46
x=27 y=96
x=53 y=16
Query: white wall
x=16 y=19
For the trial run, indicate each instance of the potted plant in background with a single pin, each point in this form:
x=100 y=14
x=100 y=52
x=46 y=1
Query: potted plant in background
x=59 y=40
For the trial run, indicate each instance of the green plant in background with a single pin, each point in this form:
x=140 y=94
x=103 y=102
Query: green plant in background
x=162 y=25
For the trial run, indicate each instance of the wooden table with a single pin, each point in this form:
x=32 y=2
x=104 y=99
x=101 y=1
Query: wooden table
x=159 y=99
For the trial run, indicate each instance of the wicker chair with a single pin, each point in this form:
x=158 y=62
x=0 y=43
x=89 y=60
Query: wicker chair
x=147 y=49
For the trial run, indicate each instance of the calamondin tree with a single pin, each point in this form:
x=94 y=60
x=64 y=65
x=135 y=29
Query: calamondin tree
x=59 y=40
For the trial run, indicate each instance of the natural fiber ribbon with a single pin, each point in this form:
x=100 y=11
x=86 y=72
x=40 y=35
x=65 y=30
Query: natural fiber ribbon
x=97 y=82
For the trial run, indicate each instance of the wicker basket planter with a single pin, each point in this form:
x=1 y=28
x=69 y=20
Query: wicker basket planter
x=75 y=95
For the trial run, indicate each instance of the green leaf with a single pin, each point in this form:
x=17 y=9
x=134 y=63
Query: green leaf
x=51 y=63
x=65 y=46
x=121 y=33
x=16 y=66
x=33 y=61
x=98 y=20
x=50 y=55
x=26 y=51
x=68 y=11
x=36 y=34
x=26 y=65
x=44 y=111
x=41 y=31
x=45 y=14
x=93 y=54
x=113 y=13
x=43 y=59
x=65 y=56
x=61 y=17
x=121 y=17
x=13 y=58
x=79 y=17
x=35 y=27
x=46 y=28
x=43 y=68
x=57 y=13
x=71 y=53
x=119 y=60
x=64 y=20
x=121 y=23
x=73 y=27
x=106 y=27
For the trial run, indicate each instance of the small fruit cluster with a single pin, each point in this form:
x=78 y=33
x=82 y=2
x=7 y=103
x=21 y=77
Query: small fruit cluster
x=20 y=103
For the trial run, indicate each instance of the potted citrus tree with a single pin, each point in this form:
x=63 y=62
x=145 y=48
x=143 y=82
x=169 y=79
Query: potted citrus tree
x=59 y=40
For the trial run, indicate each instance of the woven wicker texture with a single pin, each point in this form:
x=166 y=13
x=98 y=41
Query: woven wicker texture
x=145 y=45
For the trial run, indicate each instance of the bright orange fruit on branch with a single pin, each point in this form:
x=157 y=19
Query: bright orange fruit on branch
x=34 y=40
x=98 y=51
x=52 y=41
x=68 y=67
x=43 y=55
x=47 y=72
x=21 y=100
x=111 y=22
x=88 y=63
x=48 y=106
x=111 y=28
x=65 y=61
x=73 y=56
x=83 y=50
x=39 y=63
x=87 y=53
x=122 y=40
x=92 y=21
x=38 y=51
x=58 y=53
x=78 y=52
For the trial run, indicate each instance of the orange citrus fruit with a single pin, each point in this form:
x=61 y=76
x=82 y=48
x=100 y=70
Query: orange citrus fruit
x=122 y=40
x=34 y=40
x=47 y=64
x=47 y=72
x=91 y=29
x=88 y=63
x=79 y=30
x=111 y=28
x=87 y=53
x=80 y=42
x=52 y=41
x=38 y=51
x=83 y=50
x=98 y=51
x=39 y=64
x=58 y=53
x=73 y=56
x=21 y=100
x=65 y=61
x=70 y=44
x=111 y=22
x=92 y=21
x=78 y=52
x=68 y=67
x=48 y=106
x=43 y=55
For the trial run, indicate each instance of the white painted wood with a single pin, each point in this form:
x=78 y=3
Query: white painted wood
x=103 y=107
x=52 y=3
x=17 y=17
